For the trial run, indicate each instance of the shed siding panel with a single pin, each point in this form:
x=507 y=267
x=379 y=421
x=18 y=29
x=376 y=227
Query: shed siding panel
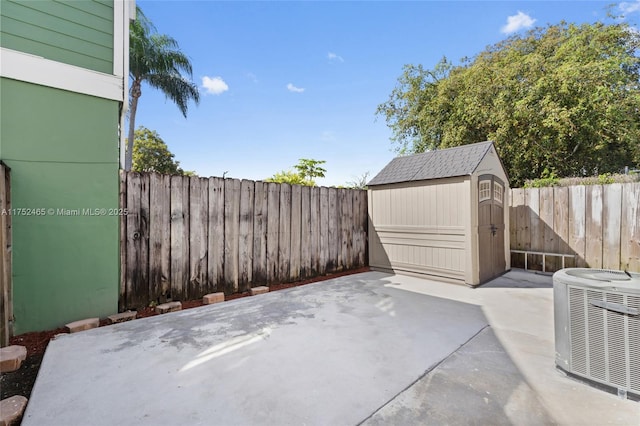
x=85 y=29
x=419 y=226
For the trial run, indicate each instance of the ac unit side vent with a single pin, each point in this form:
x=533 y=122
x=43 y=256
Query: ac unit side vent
x=604 y=344
x=634 y=343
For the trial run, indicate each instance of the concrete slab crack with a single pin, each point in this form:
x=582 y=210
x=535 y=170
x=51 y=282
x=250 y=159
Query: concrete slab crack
x=422 y=376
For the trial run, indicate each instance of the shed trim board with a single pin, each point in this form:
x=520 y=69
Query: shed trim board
x=431 y=226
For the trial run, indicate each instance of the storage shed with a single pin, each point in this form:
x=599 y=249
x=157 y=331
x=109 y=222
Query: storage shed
x=442 y=213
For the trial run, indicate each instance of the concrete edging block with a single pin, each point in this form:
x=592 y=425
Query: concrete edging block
x=168 y=307
x=12 y=409
x=259 y=290
x=11 y=358
x=211 y=298
x=85 y=324
x=122 y=317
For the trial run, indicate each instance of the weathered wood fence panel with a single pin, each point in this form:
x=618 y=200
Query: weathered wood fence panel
x=6 y=314
x=598 y=224
x=184 y=237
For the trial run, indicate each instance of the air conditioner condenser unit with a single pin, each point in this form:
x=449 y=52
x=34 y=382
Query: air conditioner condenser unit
x=597 y=327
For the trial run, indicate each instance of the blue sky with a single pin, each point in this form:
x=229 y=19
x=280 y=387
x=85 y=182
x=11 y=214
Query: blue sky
x=282 y=81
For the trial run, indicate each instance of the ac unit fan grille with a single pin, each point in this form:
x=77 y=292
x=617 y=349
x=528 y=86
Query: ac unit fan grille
x=605 y=345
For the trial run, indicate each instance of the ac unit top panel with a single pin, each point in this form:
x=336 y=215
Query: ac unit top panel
x=601 y=279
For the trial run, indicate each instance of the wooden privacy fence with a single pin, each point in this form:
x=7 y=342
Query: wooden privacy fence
x=183 y=237
x=6 y=309
x=598 y=224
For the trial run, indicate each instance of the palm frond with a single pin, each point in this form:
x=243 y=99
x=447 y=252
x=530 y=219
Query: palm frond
x=177 y=88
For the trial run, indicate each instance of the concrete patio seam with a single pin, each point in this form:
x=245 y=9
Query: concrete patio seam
x=422 y=376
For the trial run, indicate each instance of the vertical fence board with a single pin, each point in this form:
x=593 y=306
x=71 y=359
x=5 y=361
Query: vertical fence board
x=284 y=234
x=520 y=222
x=159 y=236
x=245 y=248
x=324 y=231
x=259 y=262
x=630 y=228
x=355 y=226
x=611 y=221
x=546 y=218
x=333 y=231
x=518 y=225
x=215 y=252
x=179 y=236
x=137 y=287
x=560 y=223
x=305 y=232
x=198 y=236
x=537 y=227
x=273 y=226
x=296 y=229
x=314 y=210
x=5 y=264
x=593 y=222
x=346 y=227
x=122 y=299
x=577 y=214
x=363 y=255
x=231 y=233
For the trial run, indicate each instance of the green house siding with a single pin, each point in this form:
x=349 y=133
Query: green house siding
x=62 y=148
x=73 y=32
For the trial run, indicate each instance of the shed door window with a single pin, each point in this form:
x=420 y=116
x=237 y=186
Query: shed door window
x=485 y=190
x=498 y=192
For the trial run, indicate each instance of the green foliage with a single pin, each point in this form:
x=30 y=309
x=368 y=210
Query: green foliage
x=548 y=179
x=151 y=154
x=563 y=98
x=603 y=179
x=307 y=169
x=156 y=59
x=290 y=177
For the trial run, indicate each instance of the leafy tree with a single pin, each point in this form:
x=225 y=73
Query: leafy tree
x=307 y=169
x=156 y=60
x=310 y=169
x=563 y=98
x=151 y=154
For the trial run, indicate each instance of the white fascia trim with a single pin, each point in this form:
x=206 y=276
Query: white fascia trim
x=123 y=11
x=119 y=11
x=45 y=72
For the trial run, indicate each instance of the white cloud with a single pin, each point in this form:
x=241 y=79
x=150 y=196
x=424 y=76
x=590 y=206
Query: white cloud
x=292 y=88
x=629 y=7
x=333 y=57
x=517 y=22
x=214 y=85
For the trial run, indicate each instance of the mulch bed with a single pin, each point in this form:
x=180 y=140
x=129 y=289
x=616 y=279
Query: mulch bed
x=21 y=382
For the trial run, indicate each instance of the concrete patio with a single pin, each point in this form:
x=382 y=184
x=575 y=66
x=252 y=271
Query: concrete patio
x=371 y=348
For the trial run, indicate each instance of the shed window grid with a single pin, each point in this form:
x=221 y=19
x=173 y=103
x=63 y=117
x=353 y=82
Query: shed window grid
x=498 y=192
x=485 y=190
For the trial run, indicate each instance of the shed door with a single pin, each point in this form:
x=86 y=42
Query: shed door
x=490 y=227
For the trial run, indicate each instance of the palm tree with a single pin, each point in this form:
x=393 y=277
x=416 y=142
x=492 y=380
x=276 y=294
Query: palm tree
x=156 y=60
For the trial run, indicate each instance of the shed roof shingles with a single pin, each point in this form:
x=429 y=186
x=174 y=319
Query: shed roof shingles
x=450 y=162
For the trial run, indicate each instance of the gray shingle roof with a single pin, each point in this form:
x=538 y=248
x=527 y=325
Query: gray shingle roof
x=450 y=162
